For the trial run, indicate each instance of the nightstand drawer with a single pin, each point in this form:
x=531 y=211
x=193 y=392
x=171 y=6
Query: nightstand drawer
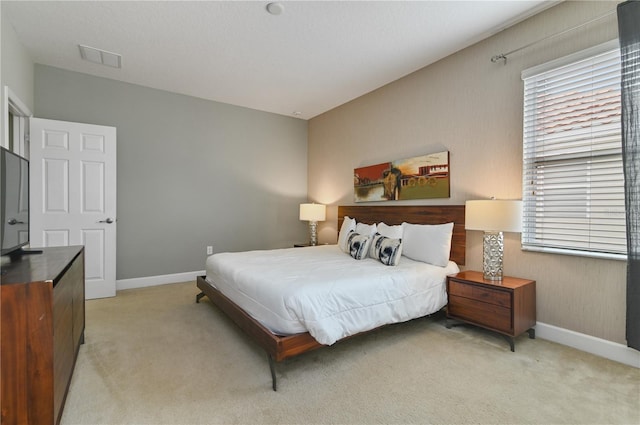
x=489 y=315
x=487 y=295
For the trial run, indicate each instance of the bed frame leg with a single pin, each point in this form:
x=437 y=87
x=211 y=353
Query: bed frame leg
x=272 y=366
x=199 y=296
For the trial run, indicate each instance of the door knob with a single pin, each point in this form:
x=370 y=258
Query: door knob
x=109 y=220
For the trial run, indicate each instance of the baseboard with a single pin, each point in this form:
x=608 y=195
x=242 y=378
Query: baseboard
x=600 y=347
x=143 y=282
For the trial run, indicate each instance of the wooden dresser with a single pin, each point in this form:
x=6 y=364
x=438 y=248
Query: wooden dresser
x=42 y=309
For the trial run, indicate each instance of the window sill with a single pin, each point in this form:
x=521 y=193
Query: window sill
x=577 y=253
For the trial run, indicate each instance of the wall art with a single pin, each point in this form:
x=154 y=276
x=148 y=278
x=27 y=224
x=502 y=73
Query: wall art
x=421 y=177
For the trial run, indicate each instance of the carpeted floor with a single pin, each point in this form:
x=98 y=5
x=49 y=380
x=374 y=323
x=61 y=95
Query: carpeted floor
x=154 y=356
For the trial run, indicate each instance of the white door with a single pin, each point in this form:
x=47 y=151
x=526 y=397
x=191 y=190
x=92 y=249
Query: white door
x=73 y=195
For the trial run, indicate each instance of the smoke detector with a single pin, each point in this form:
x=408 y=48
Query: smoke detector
x=275 y=8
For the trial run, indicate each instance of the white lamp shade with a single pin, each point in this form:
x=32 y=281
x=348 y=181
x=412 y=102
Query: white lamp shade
x=313 y=212
x=494 y=215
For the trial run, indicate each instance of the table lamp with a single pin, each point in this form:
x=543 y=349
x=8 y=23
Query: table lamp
x=313 y=213
x=493 y=217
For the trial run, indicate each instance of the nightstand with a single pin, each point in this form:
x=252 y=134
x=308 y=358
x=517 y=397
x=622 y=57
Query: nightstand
x=506 y=306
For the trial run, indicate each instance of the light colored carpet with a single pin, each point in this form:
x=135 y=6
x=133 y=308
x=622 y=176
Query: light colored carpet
x=154 y=356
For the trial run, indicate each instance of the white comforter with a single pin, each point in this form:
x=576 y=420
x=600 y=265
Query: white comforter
x=324 y=291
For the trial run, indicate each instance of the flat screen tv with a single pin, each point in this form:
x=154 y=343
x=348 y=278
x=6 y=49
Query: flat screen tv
x=14 y=202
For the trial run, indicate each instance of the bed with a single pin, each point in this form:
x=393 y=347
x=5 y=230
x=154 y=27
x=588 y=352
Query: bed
x=285 y=326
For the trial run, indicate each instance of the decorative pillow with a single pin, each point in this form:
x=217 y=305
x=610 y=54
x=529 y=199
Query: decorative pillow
x=427 y=243
x=358 y=245
x=348 y=226
x=385 y=249
x=393 y=232
x=366 y=229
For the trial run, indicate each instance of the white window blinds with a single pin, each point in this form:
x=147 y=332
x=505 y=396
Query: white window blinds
x=573 y=184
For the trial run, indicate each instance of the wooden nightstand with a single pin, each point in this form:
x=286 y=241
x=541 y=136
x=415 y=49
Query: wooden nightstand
x=507 y=306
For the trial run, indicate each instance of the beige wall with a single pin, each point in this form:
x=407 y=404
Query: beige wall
x=473 y=108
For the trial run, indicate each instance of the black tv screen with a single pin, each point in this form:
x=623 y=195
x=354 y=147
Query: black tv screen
x=14 y=201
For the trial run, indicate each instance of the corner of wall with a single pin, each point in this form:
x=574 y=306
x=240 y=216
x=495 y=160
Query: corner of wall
x=16 y=65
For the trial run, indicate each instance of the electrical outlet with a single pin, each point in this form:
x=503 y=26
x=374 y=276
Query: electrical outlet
x=209 y=250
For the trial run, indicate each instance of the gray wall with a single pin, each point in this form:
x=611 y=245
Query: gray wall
x=191 y=172
x=16 y=68
x=473 y=108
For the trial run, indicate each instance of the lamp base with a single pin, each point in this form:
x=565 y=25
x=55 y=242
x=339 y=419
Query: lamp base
x=313 y=233
x=492 y=255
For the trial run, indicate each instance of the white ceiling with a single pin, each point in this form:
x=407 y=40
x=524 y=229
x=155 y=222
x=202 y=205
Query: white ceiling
x=314 y=56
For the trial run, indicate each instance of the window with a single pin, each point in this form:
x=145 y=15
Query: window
x=573 y=183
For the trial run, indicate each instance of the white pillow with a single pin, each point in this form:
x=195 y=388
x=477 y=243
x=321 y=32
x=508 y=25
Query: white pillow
x=348 y=226
x=429 y=243
x=392 y=232
x=366 y=229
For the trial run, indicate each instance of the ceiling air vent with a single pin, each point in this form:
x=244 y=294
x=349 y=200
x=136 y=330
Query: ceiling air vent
x=102 y=57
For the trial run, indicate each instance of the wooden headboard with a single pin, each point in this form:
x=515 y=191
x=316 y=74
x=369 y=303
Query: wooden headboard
x=416 y=214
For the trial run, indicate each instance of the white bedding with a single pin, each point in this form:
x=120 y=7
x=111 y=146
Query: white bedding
x=324 y=291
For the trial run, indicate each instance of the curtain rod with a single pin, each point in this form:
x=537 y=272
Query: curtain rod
x=503 y=56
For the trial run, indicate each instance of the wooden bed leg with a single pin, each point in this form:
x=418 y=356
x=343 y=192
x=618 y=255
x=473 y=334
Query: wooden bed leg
x=200 y=295
x=272 y=366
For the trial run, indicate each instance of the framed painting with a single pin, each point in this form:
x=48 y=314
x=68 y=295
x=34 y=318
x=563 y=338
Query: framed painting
x=421 y=177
